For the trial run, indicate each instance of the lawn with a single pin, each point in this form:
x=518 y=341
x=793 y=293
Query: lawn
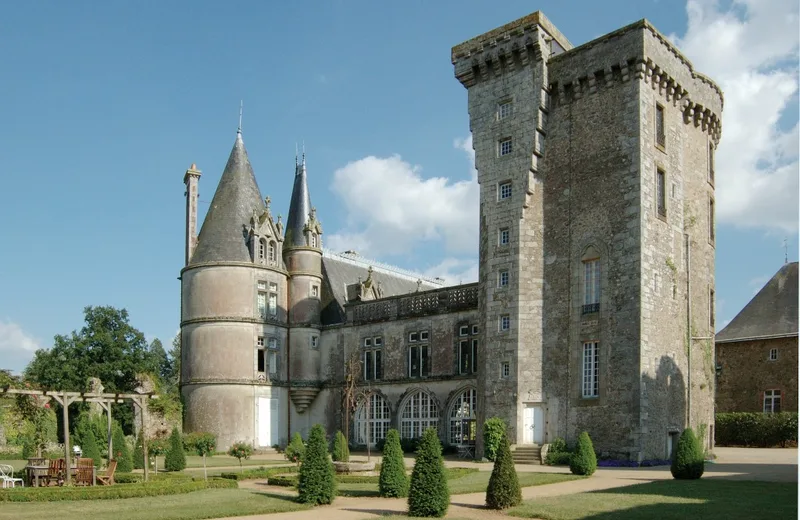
x=475 y=482
x=708 y=499
x=211 y=503
x=219 y=461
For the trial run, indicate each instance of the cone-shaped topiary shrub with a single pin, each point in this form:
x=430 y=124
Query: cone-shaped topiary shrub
x=428 y=494
x=687 y=461
x=393 y=481
x=295 y=450
x=341 y=452
x=89 y=447
x=503 y=490
x=122 y=453
x=584 y=461
x=175 y=459
x=138 y=452
x=316 y=483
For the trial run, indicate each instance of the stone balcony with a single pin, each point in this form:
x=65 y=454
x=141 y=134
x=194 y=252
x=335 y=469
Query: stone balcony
x=424 y=303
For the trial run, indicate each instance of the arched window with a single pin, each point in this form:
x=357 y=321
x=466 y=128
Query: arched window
x=372 y=421
x=463 y=413
x=418 y=414
x=262 y=249
x=271 y=252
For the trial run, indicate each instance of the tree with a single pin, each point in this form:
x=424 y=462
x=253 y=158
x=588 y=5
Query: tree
x=295 y=450
x=349 y=398
x=688 y=461
x=503 y=490
x=428 y=495
x=89 y=447
x=393 y=481
x=158 y=360
x=341 y=452
x=584 y=460
x=316 y=483
x=205 y=445
x=240 y=450
x=122 y=453
x=138 y=452
x=175 y=459
x=493 y=431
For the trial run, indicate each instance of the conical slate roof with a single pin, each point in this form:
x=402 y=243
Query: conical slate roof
x=223 y=237
x=771 y=313
x=299 y=208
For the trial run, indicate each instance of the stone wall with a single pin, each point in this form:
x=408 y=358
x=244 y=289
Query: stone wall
x=746 y=371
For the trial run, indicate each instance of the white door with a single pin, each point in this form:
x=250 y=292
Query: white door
x=267 y=421
x=274 y=416
x=533 y=425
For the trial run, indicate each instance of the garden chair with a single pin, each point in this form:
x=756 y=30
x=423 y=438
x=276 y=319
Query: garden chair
x=84 y=474
x=56 y=471
x=7 y=476
x=108 y=478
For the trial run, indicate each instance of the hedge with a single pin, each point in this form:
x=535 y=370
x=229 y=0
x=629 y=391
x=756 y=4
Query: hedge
x=142 y=489
x=755 y=429
x=279 y=478
x=260 y=472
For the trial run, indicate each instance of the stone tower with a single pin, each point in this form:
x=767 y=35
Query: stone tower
x=596 y=251
x=231 y=311
x=302 y=255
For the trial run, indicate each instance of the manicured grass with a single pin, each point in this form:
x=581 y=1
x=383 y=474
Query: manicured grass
x=220 y=461
x=475 y=482
x=18 y=465
x=212 y=503
x=708 y=499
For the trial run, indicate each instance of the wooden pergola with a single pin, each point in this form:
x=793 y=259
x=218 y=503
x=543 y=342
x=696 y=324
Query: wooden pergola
x=105 y=400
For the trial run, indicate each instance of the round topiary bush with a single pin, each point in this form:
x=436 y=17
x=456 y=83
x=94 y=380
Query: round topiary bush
x=341 y=452
x=503 y=490
x=295 y=450
x=687 y=461
x=393 y=481
x=428 y=494
x=584 y=460
x=175 y=458
x=493 y=431
x=316 y=483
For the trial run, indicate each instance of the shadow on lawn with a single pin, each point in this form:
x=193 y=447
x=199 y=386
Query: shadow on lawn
x=276 y=496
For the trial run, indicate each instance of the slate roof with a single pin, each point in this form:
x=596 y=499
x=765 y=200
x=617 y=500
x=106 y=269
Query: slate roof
x=299 y=208
x=340 y=271
x=222 y=237
x=771 y=313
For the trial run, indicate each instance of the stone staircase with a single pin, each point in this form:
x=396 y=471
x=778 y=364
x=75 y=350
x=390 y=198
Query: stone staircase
x=527 y=454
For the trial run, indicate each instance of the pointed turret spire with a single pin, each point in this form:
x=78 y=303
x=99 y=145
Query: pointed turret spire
x=237 y=197
x=299 y=207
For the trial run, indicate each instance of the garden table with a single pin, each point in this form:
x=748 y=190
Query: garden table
x=35 y=472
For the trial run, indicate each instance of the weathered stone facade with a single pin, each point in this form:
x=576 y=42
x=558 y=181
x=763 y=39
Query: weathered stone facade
x=588 y=257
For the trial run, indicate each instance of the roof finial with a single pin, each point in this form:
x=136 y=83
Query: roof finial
x=241 y=105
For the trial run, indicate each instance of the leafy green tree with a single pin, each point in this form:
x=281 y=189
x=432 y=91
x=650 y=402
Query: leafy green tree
x=503 y=490
x=493 y=431
x=138 y=452
x=204 y=445
x=584 y=460
x=341 y=451
x=316 y=483
x=240 y=450
x=393 y=481
x=122 y=454
x=688 y=461
x=428 y=495
x=175 y=459
x=295 y=450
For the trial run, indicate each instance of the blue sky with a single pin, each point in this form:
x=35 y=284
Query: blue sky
x=103 y=106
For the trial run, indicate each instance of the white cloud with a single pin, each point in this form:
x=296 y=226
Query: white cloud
x=751 y=50
x=391 y=207
x=16 y=347
x=758 y=283
x=455 y=271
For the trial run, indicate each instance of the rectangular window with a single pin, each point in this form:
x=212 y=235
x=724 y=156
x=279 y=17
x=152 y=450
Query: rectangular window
x=504 y=237
x=590 y=372
x=413 y=337
x=505 y=322
x=260 y=341
x=591 y=286
x=505 y=370
x=474 y=329
x=711 y=163
x=773 y=354
x=262 y=286
x=418 y=361
x=378 y=342
x=711 y=309
x=661 y=192
x=315 y=291
x=661 y=135
x=273 y=299
x=504 y=191
x=367 y=342
x=505 y=147
x=273 y=362
x=373 y=365
x=273 y=343
x=711 y=220
x=423 y=335
x=261 y=360
x=464 y=357
x=502 y=278
x=262 y=305
x=505 y=109
x=772 y=401
x=314 y=342
x=463 y=330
